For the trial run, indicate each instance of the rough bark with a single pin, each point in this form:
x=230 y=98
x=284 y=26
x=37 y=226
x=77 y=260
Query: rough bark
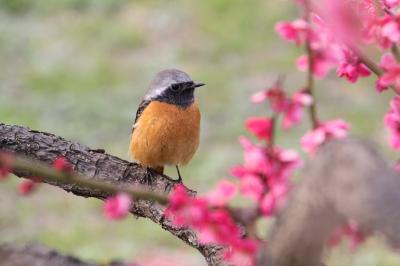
x=37 y=255
x=96 y=164
x=347 y=179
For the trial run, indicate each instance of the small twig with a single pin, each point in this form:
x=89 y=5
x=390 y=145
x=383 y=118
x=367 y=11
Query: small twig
x=271 y=142
x=395 y=52
x=310 y=76
x=378 y=7
x=47 y=173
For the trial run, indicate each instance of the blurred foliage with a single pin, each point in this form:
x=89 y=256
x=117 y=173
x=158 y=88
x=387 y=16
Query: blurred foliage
x=78 y=68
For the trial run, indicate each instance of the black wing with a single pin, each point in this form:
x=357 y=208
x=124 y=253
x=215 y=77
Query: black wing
x=139 y=112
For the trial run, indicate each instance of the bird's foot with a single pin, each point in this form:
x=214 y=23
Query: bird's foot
x=148 y=177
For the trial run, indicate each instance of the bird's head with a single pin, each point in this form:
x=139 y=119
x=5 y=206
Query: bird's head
x=172 y=86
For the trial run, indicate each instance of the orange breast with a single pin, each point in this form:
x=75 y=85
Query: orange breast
x=165 y=135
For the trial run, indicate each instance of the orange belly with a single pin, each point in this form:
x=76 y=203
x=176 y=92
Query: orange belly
x=165 y=135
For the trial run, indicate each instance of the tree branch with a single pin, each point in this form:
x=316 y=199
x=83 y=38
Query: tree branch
x=97 y=165
x=37 y=255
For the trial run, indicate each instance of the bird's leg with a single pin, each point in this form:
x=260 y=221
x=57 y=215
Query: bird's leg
x=179 y=175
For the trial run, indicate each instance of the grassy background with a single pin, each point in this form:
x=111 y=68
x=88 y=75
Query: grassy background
x=78 y=68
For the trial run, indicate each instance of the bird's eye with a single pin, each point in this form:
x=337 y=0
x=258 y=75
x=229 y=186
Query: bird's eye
x=175 y=87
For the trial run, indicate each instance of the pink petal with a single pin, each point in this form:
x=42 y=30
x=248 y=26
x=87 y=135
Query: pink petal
x=261 y=127
x=117 y=207
x=222 y=194
x=259 y=97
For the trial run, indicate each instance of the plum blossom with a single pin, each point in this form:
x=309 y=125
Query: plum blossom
x=264 y=175
x=261 y=127
x=117 y=207
x=334 y=129
x=275 y=95
x=222 y=194
x=251 y=186
x=391 y=75
x=351 y=68
x=392 y=3
x=295 y=31
x=391 y=31
x=280 y=102
x=26 y=187
x=294 y=110
x=352 y=71
x=61 y=164
x=275 y=198
x=255 y=158
x=322 y=63
x=5 y=165
x=392 y=122
x=377 y=29
x=213 y=225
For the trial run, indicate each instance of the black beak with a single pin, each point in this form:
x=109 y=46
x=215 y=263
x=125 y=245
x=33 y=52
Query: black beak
x=196 y=85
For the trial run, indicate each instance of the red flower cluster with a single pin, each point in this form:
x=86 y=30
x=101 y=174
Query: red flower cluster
x=212 y=222
x=264 y=175
x=290 y=107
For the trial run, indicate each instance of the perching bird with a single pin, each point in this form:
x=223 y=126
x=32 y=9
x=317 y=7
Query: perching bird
x=167 y=125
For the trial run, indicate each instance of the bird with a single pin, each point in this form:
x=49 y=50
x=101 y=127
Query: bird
x=166 y=128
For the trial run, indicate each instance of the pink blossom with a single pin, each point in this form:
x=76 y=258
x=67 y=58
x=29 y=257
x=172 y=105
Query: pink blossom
x=259 y=97
x=61 y=164
x=255 y=158
x=352 y=71
x=392 y=3
x=242 y=253
x=373 y=30
x=4 y=173
x=222 y=194
x=5 y=165
x=352 y=231
x=392 y=122
x=184 y=209
x=26 y=187
x=295 y=31
x=275 y=198
x=261 y=127
x=391 y=75
x=251 y=186
x=334 y=129
x=275 y=96
x=303 y=98
x=294 y=110
x=391 y=30
x=117 y=207
x=321 y=64
x=351 y=68
x=213 y=225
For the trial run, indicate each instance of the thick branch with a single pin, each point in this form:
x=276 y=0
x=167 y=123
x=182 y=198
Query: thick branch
x=98 y=165
x=347 y=179
x=36 y=255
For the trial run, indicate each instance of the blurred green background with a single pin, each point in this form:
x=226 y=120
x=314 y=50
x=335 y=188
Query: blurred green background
x=78 y=68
